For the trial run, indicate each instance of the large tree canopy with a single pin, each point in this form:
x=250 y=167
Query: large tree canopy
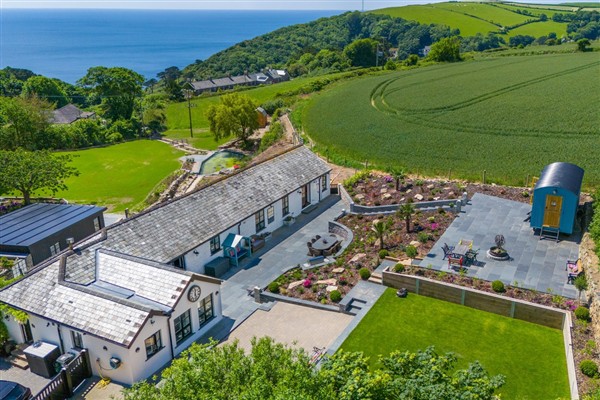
x=29 y=171
x=117 y=87
x=447 y=49
x=273 y=371
x=362 y=52
x=23 y=122
x=46 y=88
x=235 y=115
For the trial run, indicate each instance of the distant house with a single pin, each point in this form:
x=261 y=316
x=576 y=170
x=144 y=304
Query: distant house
x=69 y=114
x=424 y=52
x=42 y=230
x=230 y=82
x=393 y=52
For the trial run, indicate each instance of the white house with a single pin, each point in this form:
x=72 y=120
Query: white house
x=135 y=291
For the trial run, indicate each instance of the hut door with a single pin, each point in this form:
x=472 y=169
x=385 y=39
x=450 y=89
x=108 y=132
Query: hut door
x=552 y=211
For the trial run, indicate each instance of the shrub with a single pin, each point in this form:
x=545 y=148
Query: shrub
x=498 y=286
x=582 y=313
x=335 y=296
x=273 y=287
x=399 y=268
x=383 y=254
x=364 y=274
x=589 y=368
x=4 y=336
x=343 y=280
x=411 y=251
x=307 y=283
x=423 y=237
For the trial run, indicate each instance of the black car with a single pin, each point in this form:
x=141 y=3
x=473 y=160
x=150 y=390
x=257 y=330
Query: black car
x=13 y=391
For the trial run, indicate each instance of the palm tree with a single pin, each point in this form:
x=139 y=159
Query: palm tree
x=381 y=228
x=398 y=174
x=405 y=211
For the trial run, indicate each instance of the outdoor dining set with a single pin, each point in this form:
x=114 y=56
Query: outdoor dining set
x=462 y=255
x=325 y=245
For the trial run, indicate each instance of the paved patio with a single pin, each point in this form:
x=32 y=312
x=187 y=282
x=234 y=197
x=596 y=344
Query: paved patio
x=286 y=249
x=535 y=264
x=294 y=325
x=25 y=377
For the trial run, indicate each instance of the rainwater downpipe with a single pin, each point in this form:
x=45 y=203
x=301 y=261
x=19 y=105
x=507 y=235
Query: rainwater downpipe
x=170 y=337
x=60 y=339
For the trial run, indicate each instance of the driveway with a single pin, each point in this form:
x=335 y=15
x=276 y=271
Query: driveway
x=534 y=264
x=294 y=325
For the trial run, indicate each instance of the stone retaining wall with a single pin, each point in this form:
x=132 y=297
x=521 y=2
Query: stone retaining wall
x=387 y=209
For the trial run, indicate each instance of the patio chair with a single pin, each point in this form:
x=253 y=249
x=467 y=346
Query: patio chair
x=447 y=251
x=471 y=257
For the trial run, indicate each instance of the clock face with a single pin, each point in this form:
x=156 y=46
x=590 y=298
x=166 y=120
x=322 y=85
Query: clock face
x=194 y=293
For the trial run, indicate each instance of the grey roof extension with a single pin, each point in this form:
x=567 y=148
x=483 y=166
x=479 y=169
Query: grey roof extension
x=69 y=114
x=35 y=222
x=562 y=175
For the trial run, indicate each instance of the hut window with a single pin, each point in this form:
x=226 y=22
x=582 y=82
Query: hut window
x=271 y=213
x=285 y=205
x=259 y=219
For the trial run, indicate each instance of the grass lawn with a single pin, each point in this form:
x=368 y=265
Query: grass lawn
x=120 y=176
x=530 y=356
x=178 y=122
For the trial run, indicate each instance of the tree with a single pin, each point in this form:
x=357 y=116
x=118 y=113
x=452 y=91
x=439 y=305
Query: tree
x=406 y=211
x=23 y=122
x=446 y=50
x=381 y=228
x=149 y=84
x=362 y=52
x=45 y=88
x=118 y=88
x=27 y=172
x=274 y=371
x=235 y=115
x=154 y=114
x=582 y=44
x=398 y=174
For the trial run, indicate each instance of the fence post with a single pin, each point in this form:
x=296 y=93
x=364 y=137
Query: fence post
x=66 y=382
x=484 y=176
x=85 y=354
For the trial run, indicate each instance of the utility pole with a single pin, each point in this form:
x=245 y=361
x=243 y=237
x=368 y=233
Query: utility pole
x=188 y=94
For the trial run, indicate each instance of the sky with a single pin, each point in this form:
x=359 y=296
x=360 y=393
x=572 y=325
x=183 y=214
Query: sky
x=224 y=4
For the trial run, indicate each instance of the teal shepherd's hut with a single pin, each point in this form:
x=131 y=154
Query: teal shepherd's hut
x=555 y=198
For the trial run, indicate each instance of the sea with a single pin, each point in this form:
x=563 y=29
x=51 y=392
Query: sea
x=64 y=43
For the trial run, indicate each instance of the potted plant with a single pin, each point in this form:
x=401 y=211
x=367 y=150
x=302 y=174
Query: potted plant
x=498 y=252
x=289 y=220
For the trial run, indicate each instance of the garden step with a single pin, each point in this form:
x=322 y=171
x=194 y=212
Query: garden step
x=18 y=362
x=375 y=279
x=18 y=353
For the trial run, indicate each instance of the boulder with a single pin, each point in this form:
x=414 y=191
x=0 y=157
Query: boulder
x=295 y=284
x=418 y=196
x=338 y=270
x=331 y=288
x=357 y=258
x=328 y=282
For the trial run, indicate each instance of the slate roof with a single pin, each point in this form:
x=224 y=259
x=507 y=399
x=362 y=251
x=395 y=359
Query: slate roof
x=114 y=306
x=69 y=114
x=30 y=224
x=562 y=175
x=176 y=228
x=108 y=285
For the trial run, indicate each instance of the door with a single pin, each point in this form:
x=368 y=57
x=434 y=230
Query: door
x=552 y=211
x=26 y=331
x=305 y=195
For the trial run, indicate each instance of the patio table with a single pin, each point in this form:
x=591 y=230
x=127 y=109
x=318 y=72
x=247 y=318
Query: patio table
x=326 y=242
x=461 y=249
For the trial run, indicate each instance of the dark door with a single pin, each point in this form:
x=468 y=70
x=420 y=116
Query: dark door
x=26 y=330
x=305 y=195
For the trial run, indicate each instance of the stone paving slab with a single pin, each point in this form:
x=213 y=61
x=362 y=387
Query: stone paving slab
x=535 y=264
x=25 y=377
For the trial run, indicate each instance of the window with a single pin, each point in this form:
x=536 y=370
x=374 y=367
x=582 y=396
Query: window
x=271 y=214
x=285 y=205
x=215 y=244
x=96 y=223
x=324 y=183
x=183 y=327
x=179 y=263
x=55 y=248
x=205 y=310
x=153 y=344
x=77 y=340
x=259 y=219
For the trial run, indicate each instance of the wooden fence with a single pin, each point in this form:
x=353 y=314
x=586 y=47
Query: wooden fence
x=69 y=377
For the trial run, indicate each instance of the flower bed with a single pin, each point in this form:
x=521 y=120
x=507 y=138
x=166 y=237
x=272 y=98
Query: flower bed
x=375 y=189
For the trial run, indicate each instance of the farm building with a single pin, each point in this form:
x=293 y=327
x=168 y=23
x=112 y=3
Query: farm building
x=555 y=198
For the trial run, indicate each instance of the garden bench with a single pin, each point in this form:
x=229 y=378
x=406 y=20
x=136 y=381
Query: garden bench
x=455 y=262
